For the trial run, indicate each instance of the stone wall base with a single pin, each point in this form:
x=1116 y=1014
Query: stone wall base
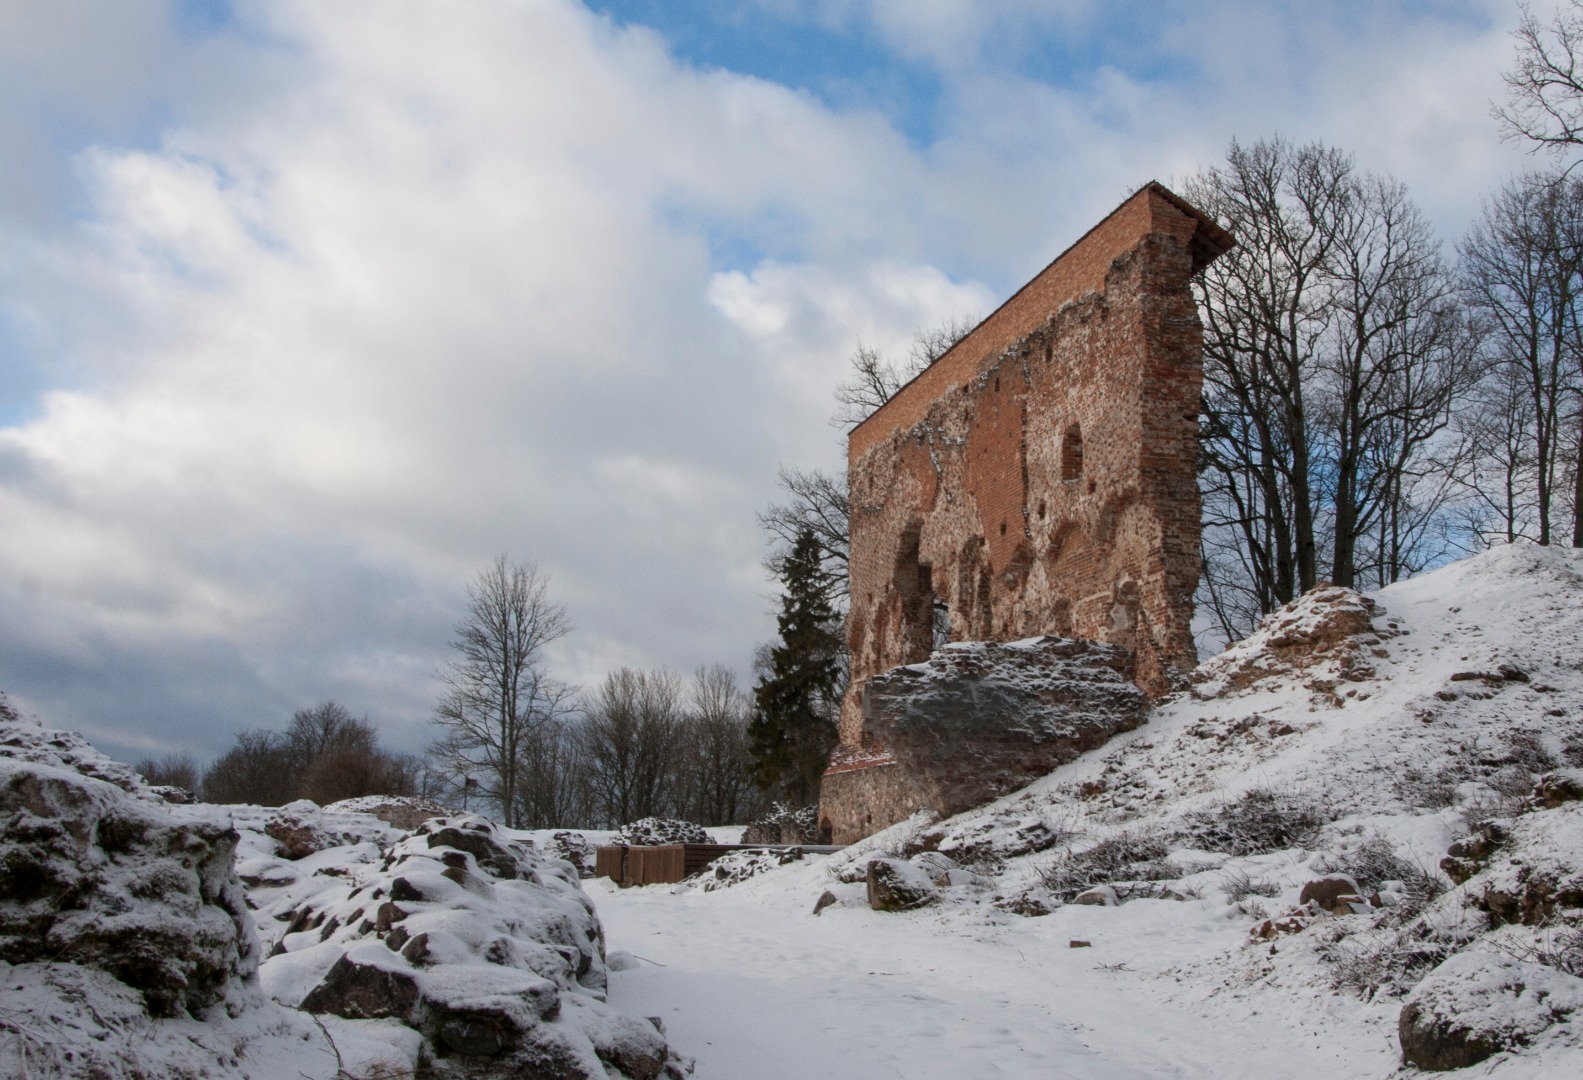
x=859 y=800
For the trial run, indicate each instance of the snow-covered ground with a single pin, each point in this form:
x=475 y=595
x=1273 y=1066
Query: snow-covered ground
x=751 y=984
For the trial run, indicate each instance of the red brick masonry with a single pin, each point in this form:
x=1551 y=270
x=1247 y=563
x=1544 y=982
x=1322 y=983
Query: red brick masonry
x=1039 y=478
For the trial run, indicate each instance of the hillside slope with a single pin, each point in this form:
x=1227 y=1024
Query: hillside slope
x=1352 y=738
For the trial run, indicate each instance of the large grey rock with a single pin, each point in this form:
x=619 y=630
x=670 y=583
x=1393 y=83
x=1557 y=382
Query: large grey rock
x=898 y=885
x=1478 y=1004
x=980 y=719
x=95 y=870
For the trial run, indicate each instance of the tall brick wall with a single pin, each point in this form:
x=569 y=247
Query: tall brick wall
x=1039 y=478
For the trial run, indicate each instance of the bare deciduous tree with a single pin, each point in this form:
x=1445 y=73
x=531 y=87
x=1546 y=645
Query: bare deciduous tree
x=816 y=502
x=1523 y=272
x=875 y=378
x=498 y=693
x=716 y=755
x=173 y=770
x=1545 y=89
x=1334 y=351
x=255 y=770
x=630 y=730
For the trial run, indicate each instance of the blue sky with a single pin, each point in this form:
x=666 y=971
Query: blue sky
x=309 y=310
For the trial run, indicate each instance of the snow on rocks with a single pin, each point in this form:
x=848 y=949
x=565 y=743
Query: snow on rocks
x=301 y=829
x=1532 y=871
x=1324 y=638
x=738 y=866
x=574 y=848
x=653 y=831
x=23 y=740
x=978 y=720
x=1477 y=1004
x=783 y=824
x=492 y=953
x=898 y=885
x=95 y=871
x=397 y=811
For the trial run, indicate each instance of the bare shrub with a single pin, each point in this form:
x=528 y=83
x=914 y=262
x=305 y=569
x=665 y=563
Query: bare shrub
x=1389 y=961
x=1560 y=949
x=1528 y=752
x=1374 y=862
x=1239 y=886
x=1430 y=790
x=1125 y=856
x=1258 y=822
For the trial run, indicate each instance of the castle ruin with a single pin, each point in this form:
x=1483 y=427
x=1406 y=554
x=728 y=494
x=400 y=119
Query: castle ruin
x=1038 y=479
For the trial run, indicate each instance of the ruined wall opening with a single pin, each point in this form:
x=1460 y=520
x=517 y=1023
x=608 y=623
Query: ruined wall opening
x=914 y=584
x=942 y=622
x=1072 y=453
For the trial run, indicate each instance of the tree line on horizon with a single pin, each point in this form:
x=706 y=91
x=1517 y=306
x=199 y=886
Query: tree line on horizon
x=535 y=751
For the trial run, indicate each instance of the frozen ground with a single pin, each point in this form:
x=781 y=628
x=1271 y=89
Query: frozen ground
x=753 y=985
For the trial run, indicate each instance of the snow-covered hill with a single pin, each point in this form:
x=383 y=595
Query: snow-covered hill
x=1351 y=737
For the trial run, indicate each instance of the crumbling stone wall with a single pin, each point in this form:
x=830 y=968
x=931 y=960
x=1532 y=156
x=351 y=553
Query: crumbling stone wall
x=1039 y=478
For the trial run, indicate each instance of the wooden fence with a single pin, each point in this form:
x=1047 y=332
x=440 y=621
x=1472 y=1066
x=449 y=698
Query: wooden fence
x=661 y=864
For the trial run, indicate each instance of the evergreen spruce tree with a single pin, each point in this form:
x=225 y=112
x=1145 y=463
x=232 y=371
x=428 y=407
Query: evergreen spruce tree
x=793 y=727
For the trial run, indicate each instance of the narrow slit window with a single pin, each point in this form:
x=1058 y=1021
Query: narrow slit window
x=1072 y=453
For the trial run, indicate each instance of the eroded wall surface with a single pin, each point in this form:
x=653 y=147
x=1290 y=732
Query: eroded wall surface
x=1039 y=478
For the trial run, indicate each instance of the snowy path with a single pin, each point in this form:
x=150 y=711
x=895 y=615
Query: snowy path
x=756 y=988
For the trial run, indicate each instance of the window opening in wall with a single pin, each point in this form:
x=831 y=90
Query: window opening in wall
x=1072 y=453
x=942 y=623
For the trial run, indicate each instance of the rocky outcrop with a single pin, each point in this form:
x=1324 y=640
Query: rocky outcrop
x=1325 y=638
x=398 y=811
x=492 y=953
x=653 y=831
x=785 y=825
x=981 y=719
x=576 y=849
x=898 y=885
x=1560 y=786
x=1476 y=1005
x=97 y=871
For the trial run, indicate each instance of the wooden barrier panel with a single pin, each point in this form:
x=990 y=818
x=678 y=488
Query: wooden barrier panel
x=664 y=864
x=611 y=862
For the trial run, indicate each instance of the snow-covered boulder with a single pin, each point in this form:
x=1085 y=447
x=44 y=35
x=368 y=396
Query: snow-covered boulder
x=1477 y=1004
x=1322 y=639
x=1560 y=786
x=397 y=811
x=96 y=871
x=898 y=885
x=492 y=953
x=981 y=719
x=1526 y=869
x=576 y=849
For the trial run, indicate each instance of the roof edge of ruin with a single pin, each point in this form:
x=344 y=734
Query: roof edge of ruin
x=1210 y=240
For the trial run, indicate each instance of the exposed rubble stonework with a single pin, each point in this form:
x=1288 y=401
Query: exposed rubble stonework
x=1039 y=478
